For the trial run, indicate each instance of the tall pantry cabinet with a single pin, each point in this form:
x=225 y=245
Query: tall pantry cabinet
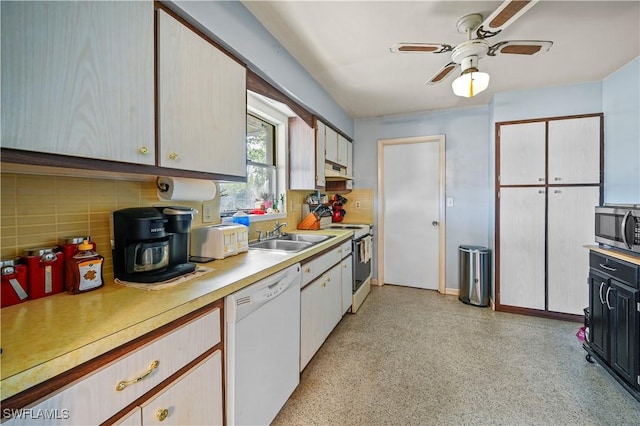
x=548 y=181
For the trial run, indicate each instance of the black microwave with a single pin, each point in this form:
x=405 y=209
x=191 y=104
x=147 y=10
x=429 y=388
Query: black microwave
x=619 y=226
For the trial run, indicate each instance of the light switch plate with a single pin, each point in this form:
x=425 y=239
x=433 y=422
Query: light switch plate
x=450 y=202
x=207 y=213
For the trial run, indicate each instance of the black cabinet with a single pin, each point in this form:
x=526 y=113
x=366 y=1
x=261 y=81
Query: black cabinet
x=614 y=309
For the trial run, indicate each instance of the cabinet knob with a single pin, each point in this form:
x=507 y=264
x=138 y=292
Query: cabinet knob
x=324 y=284
x=541 y=191
x=557 y=191
x=557 y=178
x=124 y=383
x=144 y=150
x=173 y=156
x=540 y=179
x=162 y=414
x=307 y=270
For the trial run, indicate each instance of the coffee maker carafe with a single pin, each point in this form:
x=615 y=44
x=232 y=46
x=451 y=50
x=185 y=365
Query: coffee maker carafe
x=151 y=244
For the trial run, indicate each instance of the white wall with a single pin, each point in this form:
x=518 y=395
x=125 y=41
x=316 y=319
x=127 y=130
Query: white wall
x=621 y=105
x=467 y=174
x=235 y=28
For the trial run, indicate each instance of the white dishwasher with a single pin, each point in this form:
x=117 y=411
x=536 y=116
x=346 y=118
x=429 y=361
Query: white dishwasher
x=262 y=345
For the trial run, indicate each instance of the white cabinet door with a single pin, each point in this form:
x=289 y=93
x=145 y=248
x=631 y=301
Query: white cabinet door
x=193 y=399
x=77 y=79
x=347 y=282
x=202 y=103
x=333 y=307
x=522 y=154
x=320 y=155
x=320 y=311
x=522 y=247
x=574 y=150
x=570 y=227
x=331 y=145
x=311 y=330
x=343 y=151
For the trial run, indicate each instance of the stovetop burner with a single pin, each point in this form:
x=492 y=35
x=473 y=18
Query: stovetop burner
x=360 y=229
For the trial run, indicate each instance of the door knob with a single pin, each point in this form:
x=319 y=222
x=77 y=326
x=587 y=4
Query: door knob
x=435 y=223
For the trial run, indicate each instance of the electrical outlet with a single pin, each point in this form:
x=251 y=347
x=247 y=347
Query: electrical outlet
x=207 y=213
x=450 y=202
x=358 y=204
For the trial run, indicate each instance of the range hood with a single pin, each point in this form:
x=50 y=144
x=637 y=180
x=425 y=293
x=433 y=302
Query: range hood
x=336 y=173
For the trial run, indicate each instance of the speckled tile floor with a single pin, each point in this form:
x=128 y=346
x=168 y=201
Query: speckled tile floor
x=415 y=357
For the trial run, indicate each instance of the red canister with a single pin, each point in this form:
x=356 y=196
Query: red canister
x=45 y=271
x=14 y=282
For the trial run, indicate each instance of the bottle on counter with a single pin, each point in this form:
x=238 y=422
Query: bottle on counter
x=84 y=269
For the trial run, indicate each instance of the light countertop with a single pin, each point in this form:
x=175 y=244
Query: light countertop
x=45 y=337
x=618 y=254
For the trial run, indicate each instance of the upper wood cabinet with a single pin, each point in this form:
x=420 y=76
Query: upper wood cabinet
x=560 y=151
x=202 y=103
x=522 y=154
x=337 y=147
x=331 y=145
x=77 y=79
x=306 y=155
x=574 y=150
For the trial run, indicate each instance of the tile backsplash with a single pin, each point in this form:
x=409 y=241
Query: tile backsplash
x=41 y=210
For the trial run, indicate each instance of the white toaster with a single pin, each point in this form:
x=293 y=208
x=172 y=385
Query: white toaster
x=219 y=241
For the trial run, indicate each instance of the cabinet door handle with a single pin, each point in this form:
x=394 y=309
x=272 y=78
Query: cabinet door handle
x=143 y=150
x=600 y=293
x=307 y=270
x=173 y=156
x=541 y=191
x=540 y=179
x=123 y=384
x=608 y=305
x=162 y=414
x=557 y=191
x=608 y=268
x=557 y=179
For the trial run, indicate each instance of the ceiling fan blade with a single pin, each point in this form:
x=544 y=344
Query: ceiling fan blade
x=520 y=47
x=420 y=48
x=443 y=73
x=503 y=16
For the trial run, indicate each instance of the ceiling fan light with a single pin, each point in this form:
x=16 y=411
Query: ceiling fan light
x=470 y=84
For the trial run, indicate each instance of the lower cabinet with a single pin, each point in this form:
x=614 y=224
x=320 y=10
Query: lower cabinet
x=325 y=296
x=320 y=312
x=149 y=375
x=614 y=322
x=195 y=398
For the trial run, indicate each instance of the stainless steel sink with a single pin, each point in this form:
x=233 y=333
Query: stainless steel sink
x=290 y=242
x=310 y=238
x=281 y=245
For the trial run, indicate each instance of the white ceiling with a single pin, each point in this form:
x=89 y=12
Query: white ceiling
x=344 y=45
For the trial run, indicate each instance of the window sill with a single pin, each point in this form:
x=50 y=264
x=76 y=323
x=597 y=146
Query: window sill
x=265 y=217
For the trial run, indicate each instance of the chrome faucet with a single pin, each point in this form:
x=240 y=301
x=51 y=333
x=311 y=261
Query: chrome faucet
x=275 y=233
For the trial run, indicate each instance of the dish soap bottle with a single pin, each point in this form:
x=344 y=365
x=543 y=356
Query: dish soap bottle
x=84 y=269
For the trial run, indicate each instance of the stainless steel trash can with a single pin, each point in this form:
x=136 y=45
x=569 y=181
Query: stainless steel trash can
x=474 y=273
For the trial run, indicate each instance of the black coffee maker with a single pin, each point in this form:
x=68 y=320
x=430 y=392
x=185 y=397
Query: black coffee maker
x=151 y=244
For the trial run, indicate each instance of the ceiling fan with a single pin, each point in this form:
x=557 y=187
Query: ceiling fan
x=466 y=54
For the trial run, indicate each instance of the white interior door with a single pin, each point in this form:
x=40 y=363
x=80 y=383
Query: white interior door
x=411 y=217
